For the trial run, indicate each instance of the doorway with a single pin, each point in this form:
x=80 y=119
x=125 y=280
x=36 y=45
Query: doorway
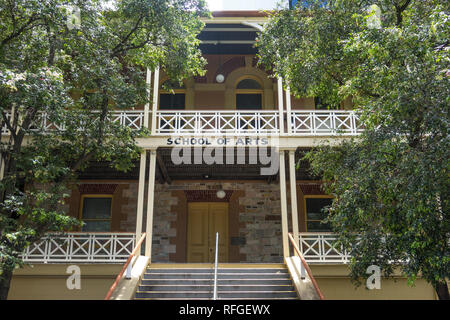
x=204 y=220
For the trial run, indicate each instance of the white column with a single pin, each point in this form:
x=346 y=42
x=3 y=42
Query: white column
x=2 y=168
x=293 y=184
x=148 y=82
x=150 y=204
x=280 y=105
x=288 y=109
x=155 y=99
x=140 y=200
x=283 y=200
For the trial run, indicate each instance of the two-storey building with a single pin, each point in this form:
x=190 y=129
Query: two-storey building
x=223 y=157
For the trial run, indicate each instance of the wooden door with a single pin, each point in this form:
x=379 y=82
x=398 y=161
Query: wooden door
x=204 y=220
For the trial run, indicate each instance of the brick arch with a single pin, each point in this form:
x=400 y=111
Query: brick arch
x=239 y=73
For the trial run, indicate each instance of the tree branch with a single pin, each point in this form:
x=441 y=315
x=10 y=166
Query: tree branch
x=28 y=25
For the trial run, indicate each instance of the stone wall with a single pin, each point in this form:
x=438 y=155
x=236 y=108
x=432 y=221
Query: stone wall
x=257 y=233
x=254 y=226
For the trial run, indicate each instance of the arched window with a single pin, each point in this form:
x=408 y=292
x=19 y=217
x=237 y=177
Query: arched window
x=172 y=96
x=249 y=94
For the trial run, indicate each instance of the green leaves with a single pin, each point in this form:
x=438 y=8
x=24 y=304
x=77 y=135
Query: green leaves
x=391 y=184
x=59 y=87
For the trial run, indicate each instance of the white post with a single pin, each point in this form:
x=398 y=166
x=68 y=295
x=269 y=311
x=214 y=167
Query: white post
x=2 y=166
x=148 y=82
x=140 y=201
x=128 y=271
x=283 y=200
x=281 y=104
x=155 y=99
x=150 y=204
x=293 y=184
x=288 y=109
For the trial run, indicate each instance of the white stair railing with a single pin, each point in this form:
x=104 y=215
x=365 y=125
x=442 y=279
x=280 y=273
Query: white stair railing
x=215 y=267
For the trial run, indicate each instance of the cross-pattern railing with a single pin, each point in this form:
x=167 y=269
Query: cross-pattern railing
x=130 y=118
x=266 y=122
x=217 y=122
x=320 y=122
x=82 y=247
x=319 y=247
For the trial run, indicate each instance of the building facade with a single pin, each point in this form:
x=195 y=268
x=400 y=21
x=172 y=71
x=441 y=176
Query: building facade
x=224 y=156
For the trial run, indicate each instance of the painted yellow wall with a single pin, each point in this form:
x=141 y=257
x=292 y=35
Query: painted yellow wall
x=48 y=282
x=335 y=284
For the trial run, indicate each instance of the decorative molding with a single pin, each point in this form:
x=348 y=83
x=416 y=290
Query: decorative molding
x=97 y=188
x=206 y=196
x=311 y=189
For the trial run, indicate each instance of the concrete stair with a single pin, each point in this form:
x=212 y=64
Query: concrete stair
x=243 y=282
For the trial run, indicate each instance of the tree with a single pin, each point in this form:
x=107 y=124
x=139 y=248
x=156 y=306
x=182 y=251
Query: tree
x=75 y=75
x=391 y=184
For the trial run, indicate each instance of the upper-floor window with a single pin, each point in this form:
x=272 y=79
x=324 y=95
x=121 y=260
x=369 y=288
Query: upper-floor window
x=249 y=95
x=96 y=212
x=315 y=213
x=173 y=98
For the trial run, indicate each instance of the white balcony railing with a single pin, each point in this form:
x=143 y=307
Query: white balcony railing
x=321 y=247
x=321 y=122
x=217 y=122
x=264 y=122
x=82 y=247
x=103 y=247
x=130 y=118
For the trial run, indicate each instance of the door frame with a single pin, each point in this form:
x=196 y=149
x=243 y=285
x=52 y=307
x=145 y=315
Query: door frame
x=227 y=243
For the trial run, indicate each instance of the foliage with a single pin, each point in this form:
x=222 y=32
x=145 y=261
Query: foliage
x=76 y=75
x=390 y=184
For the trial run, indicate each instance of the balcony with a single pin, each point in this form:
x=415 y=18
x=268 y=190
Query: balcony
x=103 y=247
x=314 y=123
x=82 y=247
x=322 y=248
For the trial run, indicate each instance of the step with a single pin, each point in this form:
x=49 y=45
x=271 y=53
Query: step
x=221 y=295
x=224 y=288
x=224 y=270
x=219 y=282
x=222 y=276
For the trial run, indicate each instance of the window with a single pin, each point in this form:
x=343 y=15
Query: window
x=173 y=99
x=314 y=208
x=249 y=95
x=96 y=212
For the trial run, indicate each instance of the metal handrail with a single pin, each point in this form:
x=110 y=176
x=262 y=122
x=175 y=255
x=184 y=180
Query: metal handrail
x=215 y=267
x=305 y=265
x=125 y=267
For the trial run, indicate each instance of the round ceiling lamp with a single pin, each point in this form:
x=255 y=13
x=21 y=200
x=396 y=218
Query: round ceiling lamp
x=221 y=193
x=220 y=78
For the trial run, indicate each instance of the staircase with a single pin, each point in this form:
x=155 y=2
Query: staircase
x=235 y=281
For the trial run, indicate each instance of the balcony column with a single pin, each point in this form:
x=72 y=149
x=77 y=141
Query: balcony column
x=140 y=200
x=293 y=185
x=2 y=166
x=150 y=204
x=148 y=83
x=288 y=109
x=155 y=99
x=280 y=105
x=283 y=200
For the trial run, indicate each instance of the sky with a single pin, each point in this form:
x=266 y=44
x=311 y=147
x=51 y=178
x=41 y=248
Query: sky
x=215 y=5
